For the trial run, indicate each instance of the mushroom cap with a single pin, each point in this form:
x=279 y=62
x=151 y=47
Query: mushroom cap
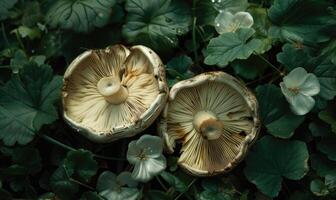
x=114 y=92
x=215 y=118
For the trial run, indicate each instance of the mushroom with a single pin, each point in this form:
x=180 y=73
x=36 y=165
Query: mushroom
x=215 y=118
x=115 y=92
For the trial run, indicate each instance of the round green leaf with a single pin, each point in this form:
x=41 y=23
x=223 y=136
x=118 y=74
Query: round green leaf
x=156 y=23
x=81 y=163
x=328 y=147
x=79 y=15
x=272 y=159
x=230 y=46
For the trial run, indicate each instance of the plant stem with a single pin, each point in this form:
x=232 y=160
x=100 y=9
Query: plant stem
x=161 y=184
x=19 y=40
x=4 y=34
x=194 y=34
x=270 y=64
x=53 y=141
x=69 y=148
x=190 y=184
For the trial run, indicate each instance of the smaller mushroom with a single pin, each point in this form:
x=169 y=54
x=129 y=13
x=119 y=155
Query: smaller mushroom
x=215 y=118
x=114 y=92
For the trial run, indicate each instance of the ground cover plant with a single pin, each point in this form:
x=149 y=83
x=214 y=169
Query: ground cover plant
x=283 y=50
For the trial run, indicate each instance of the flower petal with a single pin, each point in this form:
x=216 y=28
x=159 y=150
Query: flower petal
x=140 y=172
x=244 y=19
x=133 y=152
x=107 y=181
x=223 y=22
x=156 y=165
x=311 y=86
x=295 y=78
x=151 y=145
x=302 y=104
x=287 y=93
x=123 y=193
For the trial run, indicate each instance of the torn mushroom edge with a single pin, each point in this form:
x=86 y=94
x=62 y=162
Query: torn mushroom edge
x=145 y=120
x=221 y=77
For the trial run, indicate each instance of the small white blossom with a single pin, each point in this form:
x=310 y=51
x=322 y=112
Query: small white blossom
x=227 y=22
x=299 y=87
x=146 y=156
x=114 y=187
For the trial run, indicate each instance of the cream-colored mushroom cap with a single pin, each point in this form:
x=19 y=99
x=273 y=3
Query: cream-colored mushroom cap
x=114 y=92
x=215 y=118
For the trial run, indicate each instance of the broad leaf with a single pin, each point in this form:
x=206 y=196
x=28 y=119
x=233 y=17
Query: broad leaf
x=272 y=103
x=174 y=181
x=328 y=146
x=26 y=103
x=5 y=5
x=285 y=126
x=322 y=165
x=326 y=73
x=271 y=160
x=62 y=185
x=79 y=15
x=80 y=163
x=292 y=57
x=301 y=20
x=156 y=23
x=250 y=68
x=230 y=46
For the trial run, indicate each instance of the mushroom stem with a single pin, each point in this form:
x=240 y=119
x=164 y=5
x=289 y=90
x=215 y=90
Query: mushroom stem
x=207 y=124
x=112 y=90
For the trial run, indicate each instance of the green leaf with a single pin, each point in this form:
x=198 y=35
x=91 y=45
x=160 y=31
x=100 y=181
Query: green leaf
x=174 y=181
x=318 y=129
x=301 y=20
x=285 y=126
x=27 y=157
x=61 y=184
x=292 y=57
x=326 y=74
x=79 y=15
x=328 y=147
x=322 y=165
x=81 y=164
x=318 y=188
x=230 y=46
x=272 y=159
x=205 y=12
x=156 y=23
x=214 y=189
x=25 y=31
x=26 y=103
x=272 y=103
x=5 y=5
x=18 y=61
x=250 y=68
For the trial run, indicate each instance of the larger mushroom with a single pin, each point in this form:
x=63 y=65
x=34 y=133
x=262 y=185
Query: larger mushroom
x=215 y=118
x=114 y=92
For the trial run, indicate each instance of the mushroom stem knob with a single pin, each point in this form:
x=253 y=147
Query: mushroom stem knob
x=207 y=124
x=112 y=90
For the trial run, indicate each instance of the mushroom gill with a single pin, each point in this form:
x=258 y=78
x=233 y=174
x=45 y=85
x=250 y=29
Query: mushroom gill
x=109 y=88
x=212 y=121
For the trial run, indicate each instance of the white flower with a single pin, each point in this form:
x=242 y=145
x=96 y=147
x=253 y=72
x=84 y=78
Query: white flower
x=146 y=156
x=227 y=22
x=230 y=5
x=113 y=187
x=299 y=87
